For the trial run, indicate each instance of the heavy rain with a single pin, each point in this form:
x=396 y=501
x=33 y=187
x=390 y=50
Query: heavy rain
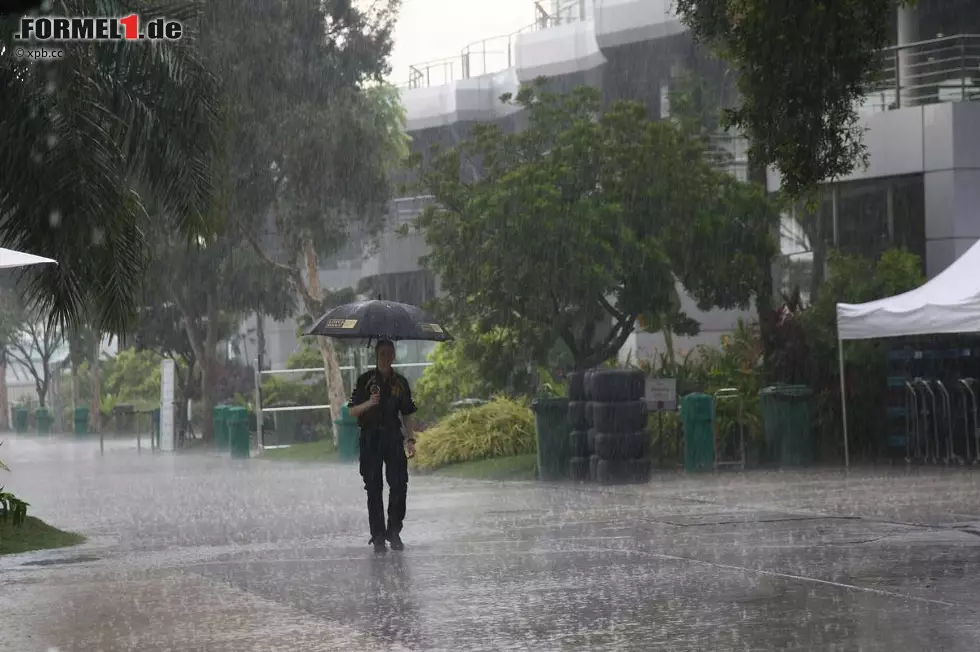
x=527 y=325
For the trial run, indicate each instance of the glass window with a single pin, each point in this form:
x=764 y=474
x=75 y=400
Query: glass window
x=908 y=209
x=878 y=214
x=862 y=217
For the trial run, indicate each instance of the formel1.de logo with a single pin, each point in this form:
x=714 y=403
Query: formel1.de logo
x=58 y=29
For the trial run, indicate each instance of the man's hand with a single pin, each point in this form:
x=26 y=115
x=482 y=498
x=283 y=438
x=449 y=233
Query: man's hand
x=361 y=408
x=410 y=447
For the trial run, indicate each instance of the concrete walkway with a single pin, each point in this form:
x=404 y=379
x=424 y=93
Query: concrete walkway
x=199 y=552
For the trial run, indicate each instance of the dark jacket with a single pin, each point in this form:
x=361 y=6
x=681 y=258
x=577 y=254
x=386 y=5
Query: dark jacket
x=396 y=400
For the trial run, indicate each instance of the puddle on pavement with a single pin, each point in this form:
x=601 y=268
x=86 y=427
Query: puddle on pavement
x=64 y=561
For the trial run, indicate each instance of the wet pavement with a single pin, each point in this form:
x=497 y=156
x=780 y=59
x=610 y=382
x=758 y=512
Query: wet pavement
x=200 y=552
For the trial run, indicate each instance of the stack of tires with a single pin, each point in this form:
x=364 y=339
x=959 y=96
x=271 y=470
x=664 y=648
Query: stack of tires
x=578 y=465
x=614 y=418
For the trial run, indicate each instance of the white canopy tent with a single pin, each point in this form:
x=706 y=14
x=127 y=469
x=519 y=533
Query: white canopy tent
x=948 y=303
x=10 y=258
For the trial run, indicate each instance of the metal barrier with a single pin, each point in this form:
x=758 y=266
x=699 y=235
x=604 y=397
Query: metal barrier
x=925 y=422
x=930 y=420
x=260 y=411
x=913 y=432
x=140 y=418
x=729 y=394
x=947 y=411
x=967 y=387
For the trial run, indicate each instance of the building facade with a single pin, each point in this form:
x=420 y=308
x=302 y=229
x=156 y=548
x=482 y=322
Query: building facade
x=919 y=191
x=920 y=188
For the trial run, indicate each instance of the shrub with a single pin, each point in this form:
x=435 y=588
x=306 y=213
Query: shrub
x=11 y=507
x=451 y=378
x=500 y=428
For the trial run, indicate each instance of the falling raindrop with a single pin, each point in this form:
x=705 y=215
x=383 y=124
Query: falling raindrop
x=52 y=141
x=55 y=219
x=50 y=87
x=47 y=5
x=98 y=237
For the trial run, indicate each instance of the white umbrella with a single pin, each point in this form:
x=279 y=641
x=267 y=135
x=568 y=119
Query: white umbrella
x=11 y=258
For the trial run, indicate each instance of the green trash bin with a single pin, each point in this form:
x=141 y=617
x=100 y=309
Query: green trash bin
x=788 y=427
x=42 y=419
x=21 y=419
x=239 y=436
x=156 y=427
x=554 y=444
x=347 y=436
x=81 y=420
x=220 y=420
x=698 y=417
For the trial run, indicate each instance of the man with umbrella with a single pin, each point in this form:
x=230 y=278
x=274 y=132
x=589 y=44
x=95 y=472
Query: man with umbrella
x=382 y=402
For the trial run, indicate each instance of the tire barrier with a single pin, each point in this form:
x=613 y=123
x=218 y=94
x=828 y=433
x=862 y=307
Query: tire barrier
x=615 y=418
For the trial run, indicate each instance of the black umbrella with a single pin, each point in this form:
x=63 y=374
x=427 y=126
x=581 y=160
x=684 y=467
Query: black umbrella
x=379 y=320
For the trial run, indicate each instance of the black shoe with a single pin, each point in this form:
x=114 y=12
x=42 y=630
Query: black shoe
x=379 y=545
x=396 y=542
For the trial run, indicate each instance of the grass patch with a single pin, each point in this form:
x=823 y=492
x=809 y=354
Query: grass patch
x=516 y=467
x=34 y=534
x=316 y=451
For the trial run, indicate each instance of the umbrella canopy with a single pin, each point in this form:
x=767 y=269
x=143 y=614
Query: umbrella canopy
x=379 y=320
x=11 y=258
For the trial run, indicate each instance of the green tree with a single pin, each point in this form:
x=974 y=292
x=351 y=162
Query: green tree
x=33 y=346
x=311 y=133
x=11 y=322
x=204 y=291
x=801 y=68
x=87 y=141
x=84 y=346
x=854 y=279
x=587 y=218
x=133 y=378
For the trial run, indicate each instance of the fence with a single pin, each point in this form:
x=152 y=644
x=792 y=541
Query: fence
x=261 y=411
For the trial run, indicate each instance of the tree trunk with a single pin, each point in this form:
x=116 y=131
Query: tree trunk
x=180 y=415
x=74 y=387
x=95 y=412
x=42 y=384
x=669 y=345
x=4 y=400
x=260 y=341
x=208 y=368
x=766 y=312
x=331 y=363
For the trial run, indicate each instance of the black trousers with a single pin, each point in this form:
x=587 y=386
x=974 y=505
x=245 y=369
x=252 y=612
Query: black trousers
x=384 y=448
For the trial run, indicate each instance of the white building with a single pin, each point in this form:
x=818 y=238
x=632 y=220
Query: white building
x=920 y=190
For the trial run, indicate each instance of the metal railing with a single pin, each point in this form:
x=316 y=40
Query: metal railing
x=945 y=69
x=261 y=411
x=567 y=11
x=484 y=57
x=495 y=54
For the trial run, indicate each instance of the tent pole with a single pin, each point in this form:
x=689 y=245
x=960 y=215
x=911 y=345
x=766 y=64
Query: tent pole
x=843 y=400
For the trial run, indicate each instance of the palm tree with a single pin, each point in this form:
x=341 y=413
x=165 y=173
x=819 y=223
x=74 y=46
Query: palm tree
x=89 y=142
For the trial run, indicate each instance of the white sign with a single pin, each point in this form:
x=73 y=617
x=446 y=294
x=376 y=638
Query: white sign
x=661 y=393
x=167 y=405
